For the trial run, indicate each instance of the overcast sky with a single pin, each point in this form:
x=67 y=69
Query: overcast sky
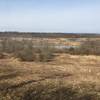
x=50 y=15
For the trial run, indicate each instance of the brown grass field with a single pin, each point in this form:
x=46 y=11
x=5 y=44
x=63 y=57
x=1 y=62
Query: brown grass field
x=74 y=69
x=70 y=69
x=65 y=77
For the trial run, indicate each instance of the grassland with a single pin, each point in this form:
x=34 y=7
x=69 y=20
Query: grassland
x=17 y=77
x=65 y=77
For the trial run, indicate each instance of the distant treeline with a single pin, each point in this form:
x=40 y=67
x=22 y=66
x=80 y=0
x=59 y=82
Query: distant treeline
x=49 y=35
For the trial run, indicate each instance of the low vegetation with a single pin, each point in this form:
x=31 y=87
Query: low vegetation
x=61 y=92
x=26 y=50
x=69 y=76
x=52 y=91
x=88 y=47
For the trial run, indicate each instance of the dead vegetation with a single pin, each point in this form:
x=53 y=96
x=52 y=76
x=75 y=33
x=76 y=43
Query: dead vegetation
x=67 y=77
x=28 y=73
x=88 y=47
x=26 y=50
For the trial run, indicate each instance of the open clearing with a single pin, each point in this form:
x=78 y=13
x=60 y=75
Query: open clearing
x=69 y=68
x=18 y=79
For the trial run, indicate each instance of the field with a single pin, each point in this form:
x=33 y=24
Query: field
x=17 y=77
x=65 y=77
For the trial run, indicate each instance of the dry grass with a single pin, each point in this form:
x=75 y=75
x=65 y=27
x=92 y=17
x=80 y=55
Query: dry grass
x=18 y=77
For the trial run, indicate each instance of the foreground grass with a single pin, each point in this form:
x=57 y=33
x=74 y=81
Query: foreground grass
x=53 y=91
x=68 y=77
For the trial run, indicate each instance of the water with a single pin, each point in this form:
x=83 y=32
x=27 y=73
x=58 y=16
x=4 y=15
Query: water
x=65 y=47
x=56 y=46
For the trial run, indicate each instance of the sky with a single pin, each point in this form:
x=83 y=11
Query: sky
x=70 y=16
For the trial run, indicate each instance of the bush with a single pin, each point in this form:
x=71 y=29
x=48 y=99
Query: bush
x=90 y=47
x=22 y=49
x=26 y=54
x=26 y=50
x=42 y=53
x=45 y=52
x=10 y=45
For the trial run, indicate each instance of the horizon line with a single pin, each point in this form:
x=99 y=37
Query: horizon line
x=52 y=32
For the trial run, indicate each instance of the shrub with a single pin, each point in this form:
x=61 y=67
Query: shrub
x=26 y=50
x=10 y=46
x=25 y=55
x=45 y=52
x=90 y=47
